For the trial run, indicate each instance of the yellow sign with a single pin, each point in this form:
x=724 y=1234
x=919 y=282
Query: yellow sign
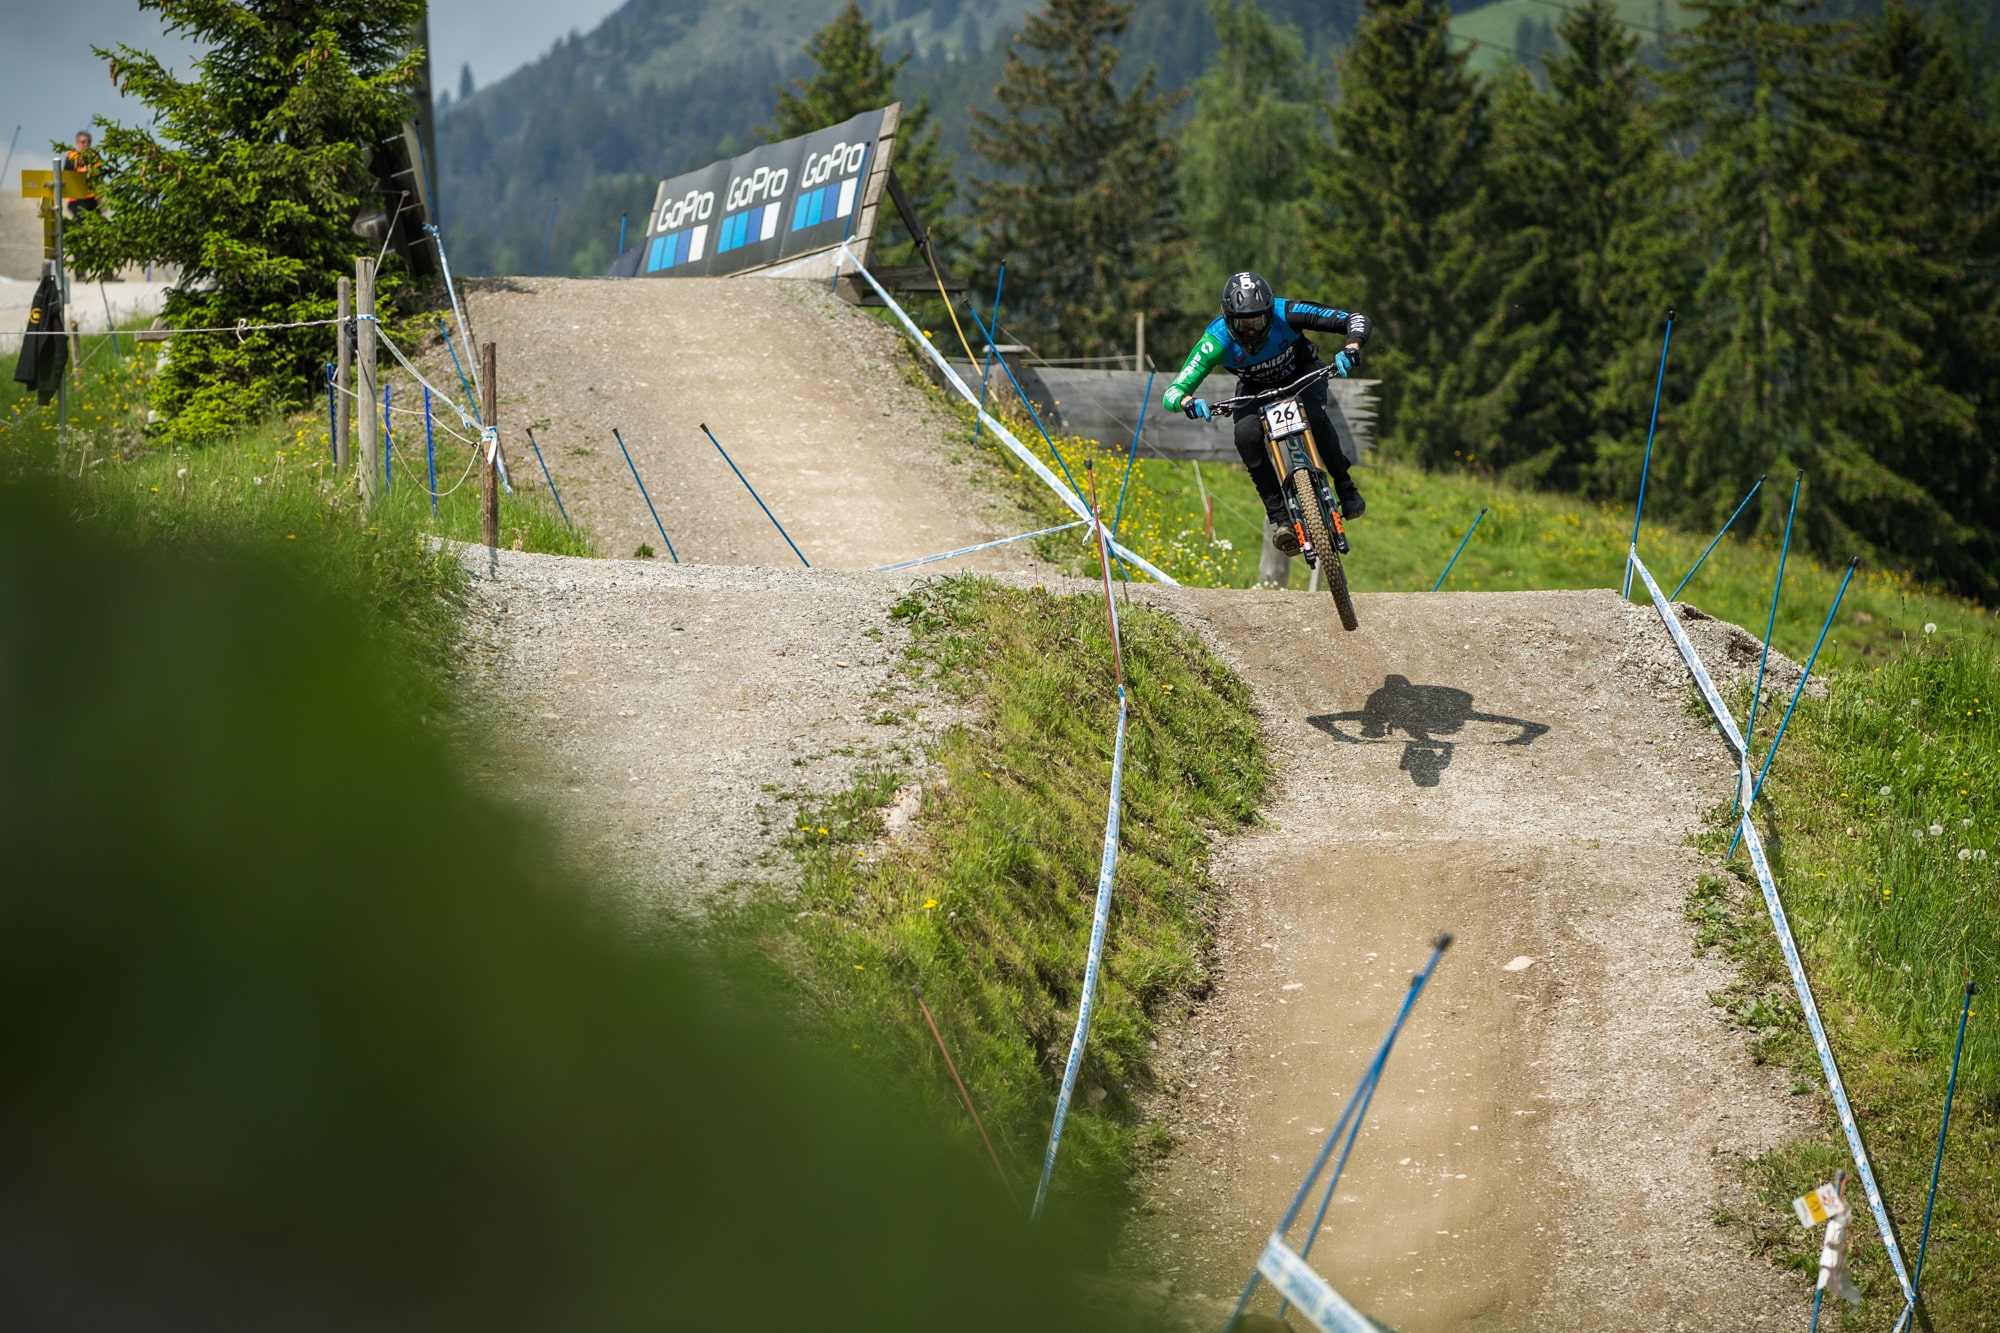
x=35 y=184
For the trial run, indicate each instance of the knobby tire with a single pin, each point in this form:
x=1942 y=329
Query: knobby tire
x=1319 y=531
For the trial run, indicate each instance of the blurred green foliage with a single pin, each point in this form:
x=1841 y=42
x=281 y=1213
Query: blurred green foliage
x=304 y=1031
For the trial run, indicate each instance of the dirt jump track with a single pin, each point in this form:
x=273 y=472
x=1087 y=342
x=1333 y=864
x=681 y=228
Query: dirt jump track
x=1565 y=1109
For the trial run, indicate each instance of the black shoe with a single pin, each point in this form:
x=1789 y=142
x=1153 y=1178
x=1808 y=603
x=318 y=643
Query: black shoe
x=1352 y=506
x=1285 y=538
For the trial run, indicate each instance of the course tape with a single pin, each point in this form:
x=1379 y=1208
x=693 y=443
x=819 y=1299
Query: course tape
x=1100 y=924
x=1308 y=1292
x=1783 y=927
x=1007 y=437
x=983 y=546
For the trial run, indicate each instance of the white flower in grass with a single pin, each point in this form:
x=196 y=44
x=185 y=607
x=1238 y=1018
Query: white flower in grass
x=1885 y=791
x=1979 y=855
x=1937 y=830
x=1965 y=853
x=1930 y=627
x=1966 y=822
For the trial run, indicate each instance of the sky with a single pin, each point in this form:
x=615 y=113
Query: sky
x=51 y=85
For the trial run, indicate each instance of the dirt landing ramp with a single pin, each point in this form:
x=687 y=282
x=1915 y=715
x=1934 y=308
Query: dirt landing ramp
x=1565 y=1107
x=807 y=394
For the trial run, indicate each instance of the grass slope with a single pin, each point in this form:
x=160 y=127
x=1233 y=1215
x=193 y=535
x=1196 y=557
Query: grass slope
x=989 y=909
x=1885 y=820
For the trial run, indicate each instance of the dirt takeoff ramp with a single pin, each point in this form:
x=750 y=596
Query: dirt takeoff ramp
x=809 y=396
x=1565 y=1108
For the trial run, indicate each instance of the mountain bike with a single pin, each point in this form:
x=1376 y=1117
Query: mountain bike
x=1309 y=499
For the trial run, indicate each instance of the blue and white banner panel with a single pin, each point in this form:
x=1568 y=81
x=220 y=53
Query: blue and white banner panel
x=771 y=205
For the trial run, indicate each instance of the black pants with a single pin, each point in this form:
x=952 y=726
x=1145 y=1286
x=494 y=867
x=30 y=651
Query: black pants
x=1257 y=458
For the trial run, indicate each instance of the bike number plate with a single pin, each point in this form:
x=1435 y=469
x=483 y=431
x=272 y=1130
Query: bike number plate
x=1285 y=419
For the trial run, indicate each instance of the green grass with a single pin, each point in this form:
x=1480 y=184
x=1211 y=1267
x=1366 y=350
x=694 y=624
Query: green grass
x=989 y=909
x=270 y=489
x=1893 y=919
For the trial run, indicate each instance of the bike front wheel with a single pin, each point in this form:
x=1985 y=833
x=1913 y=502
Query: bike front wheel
x=1319 y=531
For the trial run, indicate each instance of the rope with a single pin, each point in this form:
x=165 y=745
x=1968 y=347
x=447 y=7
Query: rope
x=968 y=550
x=1787 y=945
x=1007 y=437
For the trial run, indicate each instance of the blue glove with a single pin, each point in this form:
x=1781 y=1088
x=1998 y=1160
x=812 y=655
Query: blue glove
x=1345 y=360
x=1197 y=407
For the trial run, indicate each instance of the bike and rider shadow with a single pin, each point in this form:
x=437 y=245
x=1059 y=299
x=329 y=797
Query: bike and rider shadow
x=1422 y=717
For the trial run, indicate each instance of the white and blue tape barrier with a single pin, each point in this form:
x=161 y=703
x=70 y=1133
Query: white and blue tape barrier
x=1776 y=908
x=983 y=546
x=1100 y=924
x=1007 y=437
x=1308 y=1292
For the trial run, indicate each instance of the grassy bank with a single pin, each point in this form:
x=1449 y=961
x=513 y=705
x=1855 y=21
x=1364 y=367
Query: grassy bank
x=271 y=492
x=1527 y=540
x=988 y=908
x=1884 y=811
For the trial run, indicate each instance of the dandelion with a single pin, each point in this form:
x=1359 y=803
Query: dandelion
x=1965 y=853
x=859 y=968
x=1930 y=627
x=930 y=904
x=1979 y=855
x=1885 y=791
x=1965 y=823
x=1937 y=830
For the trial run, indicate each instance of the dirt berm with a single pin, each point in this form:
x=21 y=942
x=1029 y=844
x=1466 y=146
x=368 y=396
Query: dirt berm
x=1565 y=1108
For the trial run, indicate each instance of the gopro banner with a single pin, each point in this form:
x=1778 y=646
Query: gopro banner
x=772 y=205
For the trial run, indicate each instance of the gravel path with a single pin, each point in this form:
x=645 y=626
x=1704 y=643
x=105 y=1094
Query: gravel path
x=808 y=394
x=1565 y=1107
x=662 y=714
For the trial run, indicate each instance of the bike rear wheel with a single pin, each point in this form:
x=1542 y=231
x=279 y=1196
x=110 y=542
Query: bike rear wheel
x=1319 y=531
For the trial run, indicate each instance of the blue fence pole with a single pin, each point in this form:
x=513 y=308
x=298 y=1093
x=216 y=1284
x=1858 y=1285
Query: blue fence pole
x=430 y=453
x=1132 y=454
x=1804 y=676
x=1718 y=537
x=1368 y=1080
x=1033 y=415
x=464 y=386
x=551 y=480
x=1461 y=546
x=998 y=290
x=1917 y=1283
x=642 y=494
x=332 y=418
x=1771 y=623
x=1647 y=466
x=621 y=232
x=753 y=495
x=549 y=239
x=388 y=443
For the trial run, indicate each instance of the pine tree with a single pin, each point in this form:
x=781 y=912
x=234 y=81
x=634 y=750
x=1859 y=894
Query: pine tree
x=1800 y=336
x=1258 y=122
x=247 y=181
x=1578 y=176
x=1400 y=215
x=1933 y=173
x=851 y=76
x=1082 y=208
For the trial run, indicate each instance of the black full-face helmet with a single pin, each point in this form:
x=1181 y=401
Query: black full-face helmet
x=1246 y=307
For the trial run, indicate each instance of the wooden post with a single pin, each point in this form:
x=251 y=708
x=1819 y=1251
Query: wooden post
x=75 y=349
x=364 y=373
x=343 y=379
x=489 y=472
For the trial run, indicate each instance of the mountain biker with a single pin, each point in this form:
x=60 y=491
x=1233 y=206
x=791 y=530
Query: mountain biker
x=1259 y=338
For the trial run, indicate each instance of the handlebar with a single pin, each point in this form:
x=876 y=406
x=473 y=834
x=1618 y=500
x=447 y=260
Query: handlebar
x=1249 y=399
